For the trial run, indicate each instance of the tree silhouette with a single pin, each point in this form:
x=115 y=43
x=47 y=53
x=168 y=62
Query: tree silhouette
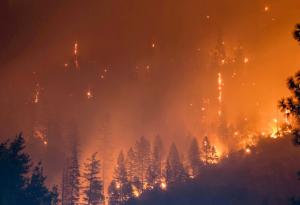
x=36 y=192
x=296 y=32
x=291 y=105
x=130 y=164
x=14 y=165
x=206 y=149
x=142 y=154
x=94 y=189
x=120 y=176
x=194 y=156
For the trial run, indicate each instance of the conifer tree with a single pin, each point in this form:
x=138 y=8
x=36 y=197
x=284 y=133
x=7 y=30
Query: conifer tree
x=156 y=166
x=167 y=173
x=150 y=177
x=206 y=149
x=142 y=153
x=36 y=191
x=175 y=164
x=15 y=165
x=130 y=164
x=93 y=190
x=73 y=168
x=113 y=193
x=120 y=177
x=194 y=157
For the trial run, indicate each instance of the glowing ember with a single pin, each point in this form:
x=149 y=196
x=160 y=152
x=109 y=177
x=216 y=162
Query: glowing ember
x=89 y=95
x=163 y=185
x=248 y=150
x=153 y=45
x=266 y=8
x=66 y=65
x=37 y=93
x=45 y=143
x=207 y=17
x=246 y=60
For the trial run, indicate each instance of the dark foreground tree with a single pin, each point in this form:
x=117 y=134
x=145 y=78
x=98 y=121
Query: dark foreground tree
x=93 y=190
x=296 y=32
x=14 y=165
x=36 y=192
x=291 y=105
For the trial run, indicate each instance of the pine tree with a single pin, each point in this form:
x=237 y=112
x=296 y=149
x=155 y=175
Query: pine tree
x=167 y=174
x=113 y=193
x=13 y=170
x=158 y=143
x=65 y=185
x=73 y=168
x=142 y=153
x=194 y=157
x=93 y=190
x=156 y=166
x=106 y=144
x=206 y=149
x=150 y=178
x=36 y=191
x=130 y=164
x=176 y=166
x=120 y=177
x=55 y=195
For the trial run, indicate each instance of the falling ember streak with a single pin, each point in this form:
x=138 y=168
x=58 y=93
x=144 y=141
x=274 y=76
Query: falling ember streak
x=220 y=88
x=75 y=52
x=153 y=45
x=37 y=93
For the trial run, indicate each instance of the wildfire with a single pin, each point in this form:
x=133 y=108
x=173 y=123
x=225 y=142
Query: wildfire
x=163 y=185
x=248 y=150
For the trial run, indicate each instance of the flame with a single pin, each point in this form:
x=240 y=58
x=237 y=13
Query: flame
x=153 y=45
x=248 y=150
x=163 y=185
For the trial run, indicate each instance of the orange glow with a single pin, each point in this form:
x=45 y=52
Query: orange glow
x=89 y=95
x=153 y=45
x=163 y=185
x=246 y=60
x=248 y=150
x=266 y=8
